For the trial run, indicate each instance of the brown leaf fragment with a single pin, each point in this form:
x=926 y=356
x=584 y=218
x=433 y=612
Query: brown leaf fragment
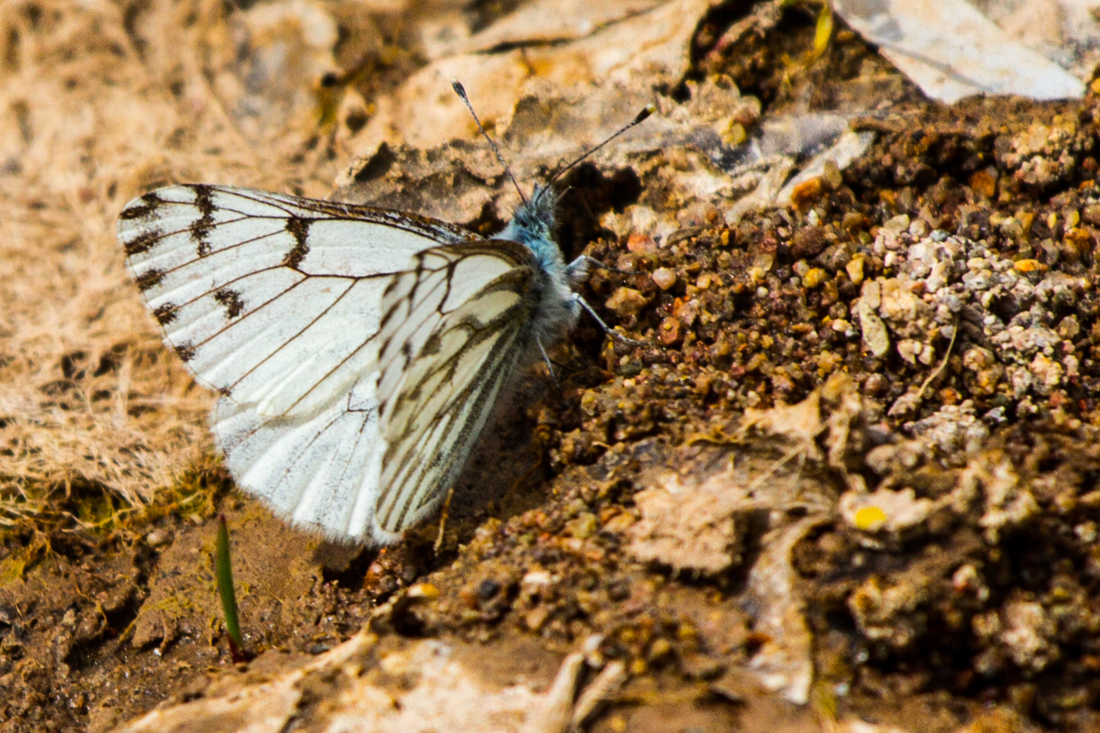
x=687 y=527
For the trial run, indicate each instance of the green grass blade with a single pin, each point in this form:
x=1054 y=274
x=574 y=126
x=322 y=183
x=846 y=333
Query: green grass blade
x=223 y=569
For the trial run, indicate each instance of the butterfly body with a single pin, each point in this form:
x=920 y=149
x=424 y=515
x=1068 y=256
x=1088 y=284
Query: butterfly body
x=358 y=351
x=556 y=305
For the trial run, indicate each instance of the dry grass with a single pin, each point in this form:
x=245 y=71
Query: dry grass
x=99 y=102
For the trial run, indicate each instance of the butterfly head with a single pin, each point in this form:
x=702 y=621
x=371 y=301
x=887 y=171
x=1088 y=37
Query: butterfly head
x=533 y=223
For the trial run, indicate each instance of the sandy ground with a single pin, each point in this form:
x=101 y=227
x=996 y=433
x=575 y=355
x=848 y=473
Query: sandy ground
x=848 y=480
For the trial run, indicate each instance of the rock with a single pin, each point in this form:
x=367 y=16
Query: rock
x=889 y=613
x=875 y=336
x=1027 y=629
x=1047 y=373
x=813 y=277
x=640 y=243
x=854 y=268
x=664 y=278
x=897 y=224
x=899 y=304
x=808 y=242
x=670 y=331
x=626 y=302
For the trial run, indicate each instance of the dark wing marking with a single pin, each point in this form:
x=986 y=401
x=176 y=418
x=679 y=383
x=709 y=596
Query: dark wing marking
x=273 y=300
x=452 y=333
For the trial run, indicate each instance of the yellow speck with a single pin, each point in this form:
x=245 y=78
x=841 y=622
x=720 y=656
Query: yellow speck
x=870 y=518
x=423 y=590
x=813 y=277
x=1029 y=266
x=735 y=134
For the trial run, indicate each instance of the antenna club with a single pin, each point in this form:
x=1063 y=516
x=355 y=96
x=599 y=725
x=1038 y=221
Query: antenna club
x=461 y=92
x=646 y=112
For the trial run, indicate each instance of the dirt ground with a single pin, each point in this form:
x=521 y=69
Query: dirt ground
x=848 y=480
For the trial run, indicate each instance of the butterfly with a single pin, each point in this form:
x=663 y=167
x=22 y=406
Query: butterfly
x=358 y=351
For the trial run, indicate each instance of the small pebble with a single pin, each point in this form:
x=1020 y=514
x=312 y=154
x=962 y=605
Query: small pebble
x=626 y=301
x=813 y=277
x=157 y=537
x=855 y=270
x=670 y=331
x=423 y=590
x=898 y=224
x=1091 y=214
x=807 y=192
x=664 y=278
x=583 y=526
x=487 y=588
x=640 y=243
x=984 y=182
x=1029 y=266
x=919 y=228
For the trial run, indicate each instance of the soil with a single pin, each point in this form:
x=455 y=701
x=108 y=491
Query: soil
x=965 y=595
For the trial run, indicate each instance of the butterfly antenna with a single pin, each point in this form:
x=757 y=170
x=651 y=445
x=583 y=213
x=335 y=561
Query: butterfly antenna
x=641 y=117
x=461 y=92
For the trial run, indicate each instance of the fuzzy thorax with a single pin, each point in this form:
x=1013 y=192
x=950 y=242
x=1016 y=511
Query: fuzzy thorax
x=554 y=305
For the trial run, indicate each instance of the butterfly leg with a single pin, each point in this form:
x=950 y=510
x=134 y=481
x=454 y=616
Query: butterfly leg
x=610 y=332
x=549 y=364
x=577 y=270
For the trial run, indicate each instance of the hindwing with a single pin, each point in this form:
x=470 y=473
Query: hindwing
x=453 y=329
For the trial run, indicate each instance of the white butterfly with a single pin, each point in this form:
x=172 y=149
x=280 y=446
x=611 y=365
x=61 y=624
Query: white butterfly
x=358 y=351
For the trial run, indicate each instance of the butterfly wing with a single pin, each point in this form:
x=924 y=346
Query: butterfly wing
x=272 y=300
x=453 y=331
x=275 y=301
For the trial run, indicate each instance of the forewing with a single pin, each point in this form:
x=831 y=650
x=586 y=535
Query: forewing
x=273 y=300
x=452 y=333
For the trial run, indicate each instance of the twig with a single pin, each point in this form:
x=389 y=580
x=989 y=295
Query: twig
x=597 y=693
x=443 y=521
x=943 y=364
